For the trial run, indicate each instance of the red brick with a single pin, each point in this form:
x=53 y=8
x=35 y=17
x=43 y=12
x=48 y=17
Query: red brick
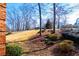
x=2 y=28
x=2 y=50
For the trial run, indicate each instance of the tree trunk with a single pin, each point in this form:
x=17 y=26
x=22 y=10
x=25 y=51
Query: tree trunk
x=54 y=7
x=40 y=17
x=58 y=22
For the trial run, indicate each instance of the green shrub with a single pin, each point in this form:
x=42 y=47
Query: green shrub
x=41 y=31
x=52 y=36
x=48 y=41
x=51 y=39
x=13 y=50
x=68 y=42
x=64 y=48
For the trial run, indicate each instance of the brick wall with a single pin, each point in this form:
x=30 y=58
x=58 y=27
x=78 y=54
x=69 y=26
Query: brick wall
x=2 y=28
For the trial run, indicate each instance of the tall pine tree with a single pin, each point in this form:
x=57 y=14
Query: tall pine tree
x=48 y=25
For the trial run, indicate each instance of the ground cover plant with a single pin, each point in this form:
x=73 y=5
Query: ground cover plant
x=52 y=38
x=13 y=50
x=64 y=48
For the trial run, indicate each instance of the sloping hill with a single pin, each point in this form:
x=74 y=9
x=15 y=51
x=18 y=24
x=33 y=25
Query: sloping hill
x=20 y=36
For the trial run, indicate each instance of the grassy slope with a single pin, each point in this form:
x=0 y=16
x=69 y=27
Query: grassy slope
x=20 y=36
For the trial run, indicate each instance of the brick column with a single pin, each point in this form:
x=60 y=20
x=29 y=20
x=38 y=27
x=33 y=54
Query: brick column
x=2 y=28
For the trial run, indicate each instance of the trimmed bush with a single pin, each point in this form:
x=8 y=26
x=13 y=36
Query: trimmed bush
x=51 y=39
x=42 y=31
x=13 y=50
x=51 y=36
x=68 y=42
x=48 y=41
x=64 y=48
x=54 y=36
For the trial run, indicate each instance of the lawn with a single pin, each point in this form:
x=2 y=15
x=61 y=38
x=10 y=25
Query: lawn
x=21 y=36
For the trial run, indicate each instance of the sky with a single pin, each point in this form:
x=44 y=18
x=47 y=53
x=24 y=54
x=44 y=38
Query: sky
x=71 y=18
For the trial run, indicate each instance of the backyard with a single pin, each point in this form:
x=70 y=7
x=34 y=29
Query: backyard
x=36 y=45
x=42 y=29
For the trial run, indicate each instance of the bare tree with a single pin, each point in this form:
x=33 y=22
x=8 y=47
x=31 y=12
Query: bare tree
x=54 y=11
x=27 y=11
x=10 y=20
x=14 y=19
x=39 y=6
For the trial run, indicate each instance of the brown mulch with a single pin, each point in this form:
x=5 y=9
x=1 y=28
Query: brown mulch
x=35 y=47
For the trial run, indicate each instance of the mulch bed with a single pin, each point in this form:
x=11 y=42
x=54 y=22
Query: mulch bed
x=35 y=47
